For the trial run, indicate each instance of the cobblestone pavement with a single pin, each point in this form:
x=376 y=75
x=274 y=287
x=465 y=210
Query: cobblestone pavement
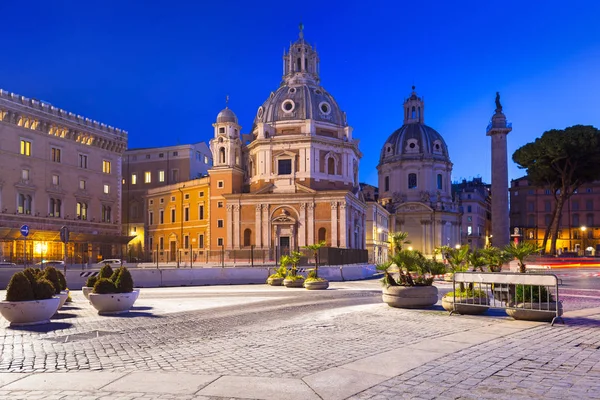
x=278 y=333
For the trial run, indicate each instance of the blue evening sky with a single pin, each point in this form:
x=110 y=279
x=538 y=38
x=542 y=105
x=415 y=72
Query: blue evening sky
x=161 y=69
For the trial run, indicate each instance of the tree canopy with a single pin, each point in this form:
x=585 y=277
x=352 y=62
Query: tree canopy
x=561 y=160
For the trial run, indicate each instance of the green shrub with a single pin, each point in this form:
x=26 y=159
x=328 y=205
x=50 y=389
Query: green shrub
x=294 y=277
x=32 y=274
x=43 y=289
x=314 y=279
x=105 y=272
x=124 y=281
x=19 y=288
x=91 y=281
x=275 y=276
x=62 y=280
x=51 y=274
x=105 y=286
x=532 y=294
x=467 y=293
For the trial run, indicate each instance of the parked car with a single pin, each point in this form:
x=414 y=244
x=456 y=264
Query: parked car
x=6 y=264
x=51 y=263
x=113 y=262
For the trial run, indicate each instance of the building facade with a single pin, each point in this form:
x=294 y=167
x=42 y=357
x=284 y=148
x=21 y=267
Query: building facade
x=149 y=168
x=531 y=214
x=474 y=201
x=415 y=182
x=59 y=169
x=378 y=244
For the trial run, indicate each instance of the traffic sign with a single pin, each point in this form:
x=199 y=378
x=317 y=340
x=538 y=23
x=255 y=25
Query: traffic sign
x=25 y=230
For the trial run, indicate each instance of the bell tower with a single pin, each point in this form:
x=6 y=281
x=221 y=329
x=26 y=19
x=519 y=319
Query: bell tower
x=414 y=108
x=301 y=62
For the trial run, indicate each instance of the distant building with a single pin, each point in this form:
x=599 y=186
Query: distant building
x=474 y=201
x=58 y=169
x=531 y=212
x=378 y=231
x=149 y=168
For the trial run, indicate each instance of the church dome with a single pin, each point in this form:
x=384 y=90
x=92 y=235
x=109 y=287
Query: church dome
x=226 y=115
x=414 y=140
x=300 y=102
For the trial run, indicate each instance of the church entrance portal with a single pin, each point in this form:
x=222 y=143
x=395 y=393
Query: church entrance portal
x=284 y=245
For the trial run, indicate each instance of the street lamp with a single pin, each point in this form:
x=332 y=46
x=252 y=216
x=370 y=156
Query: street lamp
x=583 y=229
x=376 y=245
x=457 y=246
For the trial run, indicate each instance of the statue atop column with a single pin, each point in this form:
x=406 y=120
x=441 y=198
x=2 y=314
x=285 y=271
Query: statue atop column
x=498 y=105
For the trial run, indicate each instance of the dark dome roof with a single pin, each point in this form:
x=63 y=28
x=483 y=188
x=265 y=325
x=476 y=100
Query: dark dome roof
x=414 y=141
x=226 y=115
x=300 y=102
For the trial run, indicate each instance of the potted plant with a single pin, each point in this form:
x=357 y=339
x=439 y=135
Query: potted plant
x=29 y=300
x=59 y=283
x=495 y=258
x=313 y=281
x=408 y=291
x=114 y=295
x=534 y=303
x=457 y=259
x=293 y=280
x=105 y=272
x=520 y=251
x=277 y=278
x=467 y=301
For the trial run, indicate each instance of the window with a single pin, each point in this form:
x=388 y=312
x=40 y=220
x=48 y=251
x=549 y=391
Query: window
x=150 y=242
x=81 y=210
x=172 y=198
x=161 y=175
x=516 y=192
x=55 y=154
x=222 y=155
x=575 y=219
x=220 y=184
x=54 y=207
x=106 y=213
x=331 y=166
x=576 y=233
x=175 y=153
x=322 y=234
x=547 y=191
x=469 y=230
x=25 y=174
x=588 y=190
x=589 y=205
x=220 y=242
x=221 y=130
x=469 y=209
x=547 y=219
x=147 y=156
x=186 y=214
x=151 y=218
x=172 y=215
x=24 y=206
x=547 y=206
x=247 y=237
x=55 y=180
x=186 y=196
x=201 y=241
x=469 y=219
x=106 y=166
x=175 y=175
x=439 y=181
x=531 y=191
x=575 y=206
x=219 y=204
x=387 y=183
x=83 y=161
x=469 y=196
x=161 y=243
x=530 y=206
x=25 y=147
x=161 y=155
x=151 y=202
x=589 y=220
x=147 y=177
x=220 y=223
x=412 y=181
x=186 y=241
x=284 y=167
x=200 y=194
x=205 y=160
x=162 y=200
x=161 y=217
x=82 y=184
x=201 y=212
x=134 y=179
x=106 y=189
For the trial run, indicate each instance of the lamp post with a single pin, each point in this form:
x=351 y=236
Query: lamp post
x=583 y=229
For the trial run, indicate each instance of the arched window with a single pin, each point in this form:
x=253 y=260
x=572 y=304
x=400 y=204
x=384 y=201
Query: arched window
x=413 y=112
x=222 y=155
x=331 y=166
x=299 y=64
x=439 y=181
x=387 y=183
x=247 y=237
x=237 y=157
x=412 y=181
x=419 y=112
x=322 y=234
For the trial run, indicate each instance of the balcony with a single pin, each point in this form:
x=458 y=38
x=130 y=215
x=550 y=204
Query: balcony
x=498 y=124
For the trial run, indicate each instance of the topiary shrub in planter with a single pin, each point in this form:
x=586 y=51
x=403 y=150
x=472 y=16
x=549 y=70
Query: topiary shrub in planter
x=27 y=303
x=313 y=282
x=62 y=280
x=54 y=276
x=89 y=285
x=277 y=278
x=293 y=280
x=105 y=272
x=111 y=297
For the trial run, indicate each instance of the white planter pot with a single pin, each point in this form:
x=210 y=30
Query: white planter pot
x=535 y=311
x=410 y=296
x=113 y=303
x=87 y=290
x=316 y=285
x=29 y=312
x=63 y=298
x=298 y=283
x=466 y=305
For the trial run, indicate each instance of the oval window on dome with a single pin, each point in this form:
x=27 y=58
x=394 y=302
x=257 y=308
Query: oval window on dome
x=260 y=112
x=292 y=90
x=288 y=106
x=318 y=91
x=412 y=145
x=325 y=108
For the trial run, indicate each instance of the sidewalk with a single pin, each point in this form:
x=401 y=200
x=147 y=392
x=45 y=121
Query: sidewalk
x=400 y=354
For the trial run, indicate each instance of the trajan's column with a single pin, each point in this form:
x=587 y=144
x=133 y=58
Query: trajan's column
x=498 y=129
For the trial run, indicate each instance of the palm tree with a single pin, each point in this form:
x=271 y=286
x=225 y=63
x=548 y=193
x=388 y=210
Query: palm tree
x=477 y=260
x=315 y=249
x=520 y=251
x=458 y=258
x=495 y=258
x=398 y=240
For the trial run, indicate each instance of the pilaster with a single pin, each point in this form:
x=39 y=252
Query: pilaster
x=311 y=223
x=343 y=226
x=266 y=227
x=334 y=224
x=302 y=226
x=258 y=226
x=236 y=226
x=229 y=226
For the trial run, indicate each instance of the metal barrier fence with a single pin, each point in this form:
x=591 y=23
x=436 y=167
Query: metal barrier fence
x=510 y=291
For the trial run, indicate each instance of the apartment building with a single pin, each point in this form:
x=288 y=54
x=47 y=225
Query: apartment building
x=474 y=198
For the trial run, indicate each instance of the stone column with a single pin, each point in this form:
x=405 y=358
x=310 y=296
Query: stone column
x=311 y=223
x=334 y=224
x=343 y=226
x=266 y=226
x=229 y=226
x=424 y=237
x=257 y=227
x=236 y=226
x=302 y=226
